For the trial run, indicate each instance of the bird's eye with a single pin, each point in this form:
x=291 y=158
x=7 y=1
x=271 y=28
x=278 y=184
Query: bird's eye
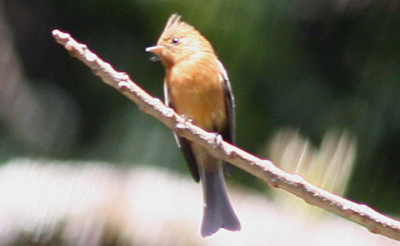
x=175 y=40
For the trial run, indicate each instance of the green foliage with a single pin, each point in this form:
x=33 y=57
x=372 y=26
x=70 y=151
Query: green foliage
x=308 y=65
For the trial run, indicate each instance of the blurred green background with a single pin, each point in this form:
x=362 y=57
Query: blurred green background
x=310 y=65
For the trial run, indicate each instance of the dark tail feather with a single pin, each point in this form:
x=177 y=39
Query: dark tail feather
x=218 y=212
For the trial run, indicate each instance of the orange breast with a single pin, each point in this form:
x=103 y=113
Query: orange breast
x=197 y=92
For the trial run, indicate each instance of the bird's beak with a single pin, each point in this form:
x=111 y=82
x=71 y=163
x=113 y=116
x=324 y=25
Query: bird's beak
x=154 y=49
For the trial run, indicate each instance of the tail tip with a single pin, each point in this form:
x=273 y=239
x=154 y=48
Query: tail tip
x=231 y=225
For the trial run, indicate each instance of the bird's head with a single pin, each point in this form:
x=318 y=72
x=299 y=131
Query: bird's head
x=179 y=41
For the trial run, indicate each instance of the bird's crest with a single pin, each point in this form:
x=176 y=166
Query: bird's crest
x=175 y=26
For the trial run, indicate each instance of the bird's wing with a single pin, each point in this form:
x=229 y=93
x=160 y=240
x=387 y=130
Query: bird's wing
x=229 y=132
x=183 y=143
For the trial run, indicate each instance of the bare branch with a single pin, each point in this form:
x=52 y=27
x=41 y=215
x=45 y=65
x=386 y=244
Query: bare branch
x=263 y=169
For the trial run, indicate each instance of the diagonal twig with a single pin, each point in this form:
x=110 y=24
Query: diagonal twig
x=260 y=168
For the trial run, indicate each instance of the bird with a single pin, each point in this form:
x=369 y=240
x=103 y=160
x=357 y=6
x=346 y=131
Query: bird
x=196 y=86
